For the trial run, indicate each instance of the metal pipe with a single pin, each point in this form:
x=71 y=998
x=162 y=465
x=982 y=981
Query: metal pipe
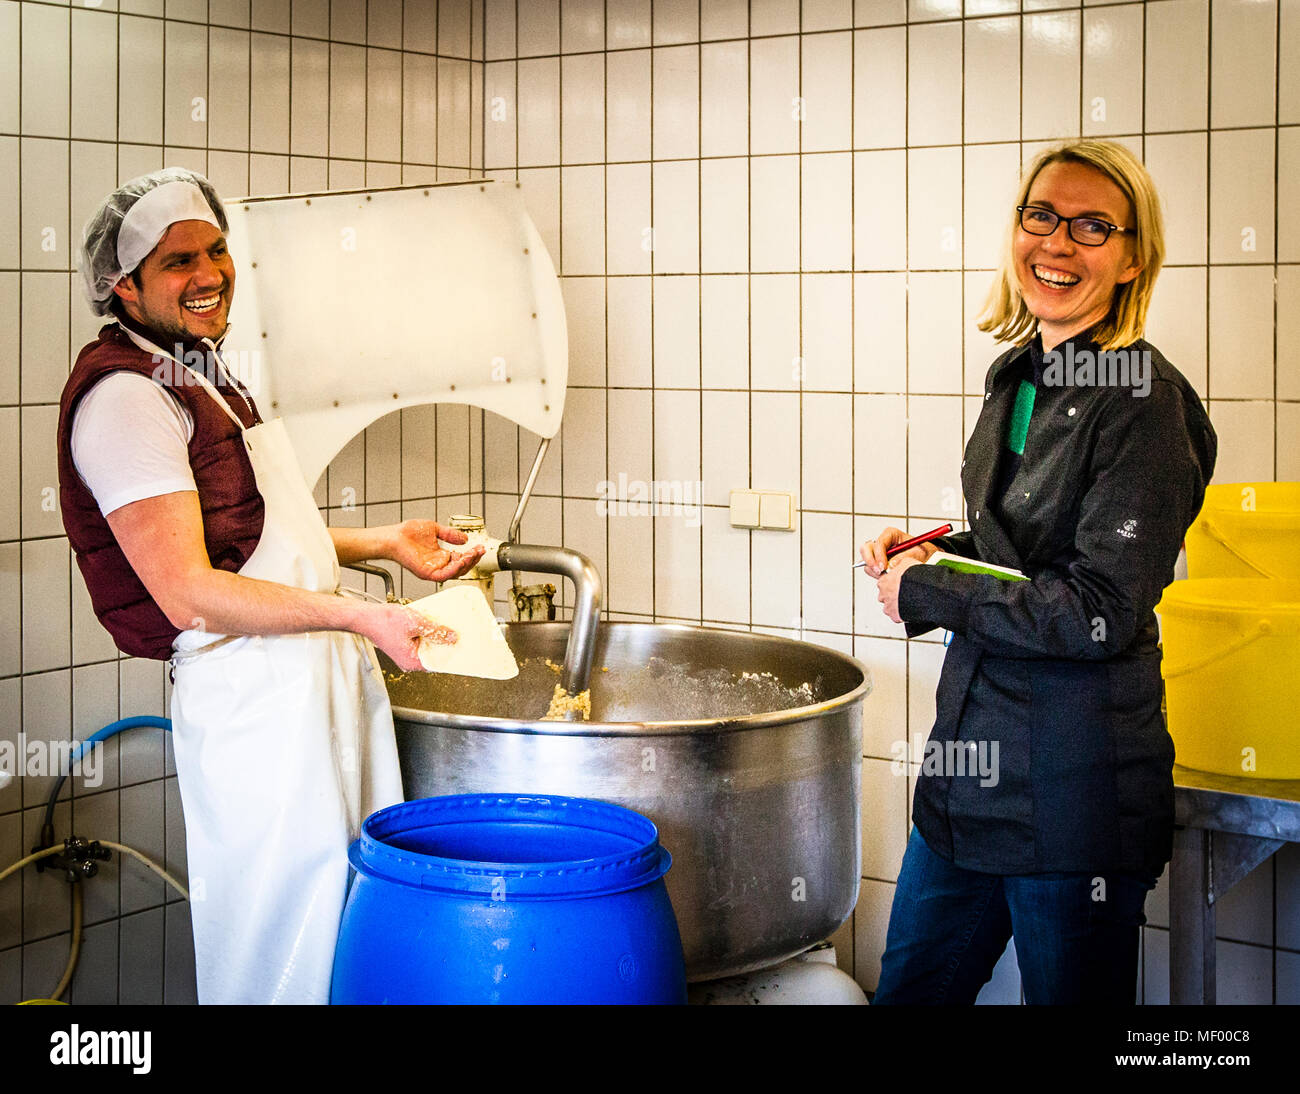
x=586 y=609
x=390 y=589
x=516 y=582
x=528 y=490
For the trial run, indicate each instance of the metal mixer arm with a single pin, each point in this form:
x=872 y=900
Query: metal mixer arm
x=586 y=609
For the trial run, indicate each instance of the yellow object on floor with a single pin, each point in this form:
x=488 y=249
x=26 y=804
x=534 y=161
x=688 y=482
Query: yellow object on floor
x=1231 y=652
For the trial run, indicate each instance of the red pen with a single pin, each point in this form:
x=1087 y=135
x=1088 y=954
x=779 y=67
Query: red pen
x=916 y=541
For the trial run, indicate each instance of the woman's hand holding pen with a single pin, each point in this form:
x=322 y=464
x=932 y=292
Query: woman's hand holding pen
x=889 y=572
x=888 y=582
x=874 y=550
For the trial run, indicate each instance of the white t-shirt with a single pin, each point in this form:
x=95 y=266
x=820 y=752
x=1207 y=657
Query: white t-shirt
x=130 y=441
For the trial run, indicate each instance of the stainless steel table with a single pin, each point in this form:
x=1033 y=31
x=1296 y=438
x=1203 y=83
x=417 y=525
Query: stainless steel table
x=1227 y=827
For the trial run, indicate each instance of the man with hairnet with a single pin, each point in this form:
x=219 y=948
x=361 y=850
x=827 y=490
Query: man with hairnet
x=201 y=545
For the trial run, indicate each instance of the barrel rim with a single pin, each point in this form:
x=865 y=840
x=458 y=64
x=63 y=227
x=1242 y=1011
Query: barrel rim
x=1219 y=494
x=1202 y=597
x=647 y=862
x=667 y=727
x=1264 y=520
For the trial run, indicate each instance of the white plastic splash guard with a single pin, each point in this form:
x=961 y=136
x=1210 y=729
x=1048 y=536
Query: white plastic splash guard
x=351 y=305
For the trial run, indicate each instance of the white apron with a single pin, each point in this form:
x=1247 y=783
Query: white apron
x=284 y=745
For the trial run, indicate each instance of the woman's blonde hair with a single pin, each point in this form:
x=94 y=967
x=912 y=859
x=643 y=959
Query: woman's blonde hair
x=1005 y=313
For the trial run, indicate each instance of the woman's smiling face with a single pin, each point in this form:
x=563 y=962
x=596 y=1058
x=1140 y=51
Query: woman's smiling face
x=1069 y=286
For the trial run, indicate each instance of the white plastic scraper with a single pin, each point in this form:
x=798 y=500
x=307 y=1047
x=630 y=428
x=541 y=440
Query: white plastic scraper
x=480 y=648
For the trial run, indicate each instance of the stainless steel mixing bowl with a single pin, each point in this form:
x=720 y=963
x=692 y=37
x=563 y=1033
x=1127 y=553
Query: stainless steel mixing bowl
x=744 y=749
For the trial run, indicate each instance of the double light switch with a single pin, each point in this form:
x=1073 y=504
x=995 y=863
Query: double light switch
x=760 y=509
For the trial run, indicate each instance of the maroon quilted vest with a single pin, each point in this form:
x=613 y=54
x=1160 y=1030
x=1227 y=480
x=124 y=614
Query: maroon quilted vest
x=232 y=507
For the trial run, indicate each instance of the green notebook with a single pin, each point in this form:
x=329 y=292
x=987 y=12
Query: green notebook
x=965 y=565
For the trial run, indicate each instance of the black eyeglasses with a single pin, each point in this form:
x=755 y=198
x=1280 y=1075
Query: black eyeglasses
x=1089 y=231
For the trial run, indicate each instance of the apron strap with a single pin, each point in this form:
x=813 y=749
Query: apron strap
x=180 y=657
x=149 y=347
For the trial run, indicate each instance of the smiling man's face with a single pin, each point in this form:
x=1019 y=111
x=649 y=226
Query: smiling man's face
x=1066 y=285
x=186 y=284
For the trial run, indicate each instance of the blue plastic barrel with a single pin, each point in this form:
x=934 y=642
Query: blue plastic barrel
x=503 y=898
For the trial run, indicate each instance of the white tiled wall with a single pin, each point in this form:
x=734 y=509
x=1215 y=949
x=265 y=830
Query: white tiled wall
x=774 y=222
x=264 y=97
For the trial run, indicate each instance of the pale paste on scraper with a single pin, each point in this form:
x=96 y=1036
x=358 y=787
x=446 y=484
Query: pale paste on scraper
x=480 y=648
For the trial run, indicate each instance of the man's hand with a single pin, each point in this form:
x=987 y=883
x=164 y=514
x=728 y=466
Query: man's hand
x=415 y=547
x=397 y=630
x=888 y=582
x=162 y=538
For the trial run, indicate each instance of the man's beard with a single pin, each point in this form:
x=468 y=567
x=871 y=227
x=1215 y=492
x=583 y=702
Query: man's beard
x=171 y=335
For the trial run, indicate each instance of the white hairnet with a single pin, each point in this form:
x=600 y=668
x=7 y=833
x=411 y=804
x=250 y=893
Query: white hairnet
x=129 y=223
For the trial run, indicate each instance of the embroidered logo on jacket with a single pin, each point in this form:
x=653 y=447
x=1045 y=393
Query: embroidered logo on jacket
x=1129 y=531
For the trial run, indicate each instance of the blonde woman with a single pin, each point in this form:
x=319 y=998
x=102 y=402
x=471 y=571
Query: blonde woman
x=1044 y=808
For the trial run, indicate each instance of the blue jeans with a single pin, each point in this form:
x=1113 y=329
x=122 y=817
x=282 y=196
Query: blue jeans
x=1076 y=934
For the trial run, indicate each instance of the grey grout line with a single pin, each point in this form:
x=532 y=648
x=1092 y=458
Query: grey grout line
x=853 y=322
x=654 y=440
x=690 y=159
x=22 y=622
x=799 y=284
x=1209 y=166
x=604 y=265
x=564 y=592
x=749 y=284
x=1277 y=178
x=961 y=285
x=907 y=365
x=842 y=271
x=1083 y=50
x=69 y=237
x=699 y=280
x=1277 y=253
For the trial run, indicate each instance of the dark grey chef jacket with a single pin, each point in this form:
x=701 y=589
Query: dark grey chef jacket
x=1062 y=671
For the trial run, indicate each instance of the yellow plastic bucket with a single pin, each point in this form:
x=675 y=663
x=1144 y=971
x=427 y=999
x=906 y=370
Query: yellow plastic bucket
x=1231 y=661
x=1246 y=529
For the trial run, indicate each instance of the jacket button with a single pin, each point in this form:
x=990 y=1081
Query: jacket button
x=988 y=395
x=963 y=463
x=977 y=514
